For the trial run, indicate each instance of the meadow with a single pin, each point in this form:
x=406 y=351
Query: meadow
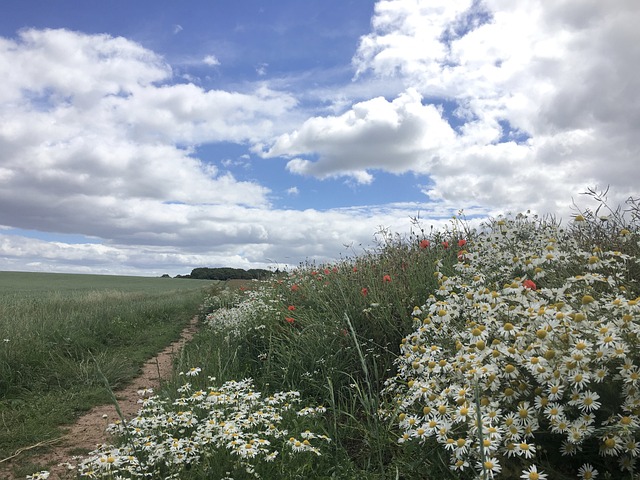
x=62 y=336
x=507 y=350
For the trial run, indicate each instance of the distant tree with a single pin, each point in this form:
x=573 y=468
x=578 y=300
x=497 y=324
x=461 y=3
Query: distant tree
x=227 y=273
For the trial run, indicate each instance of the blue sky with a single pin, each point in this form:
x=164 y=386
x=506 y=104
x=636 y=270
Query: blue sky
x=155 y=137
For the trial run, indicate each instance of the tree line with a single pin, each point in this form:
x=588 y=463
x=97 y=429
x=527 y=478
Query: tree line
x=227 y=273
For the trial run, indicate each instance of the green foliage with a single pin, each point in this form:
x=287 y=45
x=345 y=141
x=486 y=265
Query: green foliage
x=55 y=343
x=226 y=273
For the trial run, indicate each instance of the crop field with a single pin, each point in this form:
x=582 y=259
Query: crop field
x=63 y=335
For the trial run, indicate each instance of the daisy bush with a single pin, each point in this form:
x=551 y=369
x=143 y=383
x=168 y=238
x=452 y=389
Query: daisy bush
x=228 y=430
x=524 y=361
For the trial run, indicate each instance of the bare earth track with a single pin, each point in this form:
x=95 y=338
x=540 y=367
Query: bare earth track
x=89 y=430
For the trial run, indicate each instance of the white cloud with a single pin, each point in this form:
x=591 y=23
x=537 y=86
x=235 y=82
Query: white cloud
x=92 y=142
x=544 y=93
x=211 y=60
x=395 y=135
x=293 y=191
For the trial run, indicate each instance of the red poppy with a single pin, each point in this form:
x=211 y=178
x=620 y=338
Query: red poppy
x=364 y=291
x=386 y=278
x=334 y=269
x=355 y=269
x=445 y=244
x=327 y=271
x=295 y=288
x=291 y=308
x=424 y=244
x=529 y=284
x=462 y=242
x=289 y=320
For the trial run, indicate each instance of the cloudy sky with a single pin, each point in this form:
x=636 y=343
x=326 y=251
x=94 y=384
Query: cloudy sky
x=154 y=137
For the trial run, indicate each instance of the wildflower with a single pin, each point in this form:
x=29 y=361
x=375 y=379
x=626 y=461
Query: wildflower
x=445 y=244
x=529 y=284
x=525 y=449
x=386 y=278
x=491 y=466
x=364 y=291
x=588 y=401
x=289 y=320
x=291 y=308
x=462 y=242
x=295 y=288
x=194 y=371
x=587 y=472
x=611 y=445
x=532 y=473
x=42 y=475
x=424 y=244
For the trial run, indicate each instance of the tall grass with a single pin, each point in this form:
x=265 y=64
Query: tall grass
x=55 y=343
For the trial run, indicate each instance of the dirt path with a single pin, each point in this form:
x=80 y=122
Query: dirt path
x=89 y=430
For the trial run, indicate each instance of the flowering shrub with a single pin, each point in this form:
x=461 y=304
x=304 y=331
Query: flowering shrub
x=168 y=436
x=531 y=345
x=234 y=313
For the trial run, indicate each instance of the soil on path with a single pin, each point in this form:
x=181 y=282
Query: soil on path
x=90 y=429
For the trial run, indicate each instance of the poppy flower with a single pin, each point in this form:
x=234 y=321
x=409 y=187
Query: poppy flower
x=424 y=244
x=530 y=284
x=386 y=278
x=355 y=269
x=445 y=244
x=327 y=271
x=291 y=308
x=462 y=242
x=289 y=320
x=364 y=291
x=295 y=288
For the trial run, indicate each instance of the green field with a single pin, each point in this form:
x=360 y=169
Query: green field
x=29 y=283
x=60 y=333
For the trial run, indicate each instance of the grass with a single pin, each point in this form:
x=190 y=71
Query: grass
x=510 y=350
x=58 y=331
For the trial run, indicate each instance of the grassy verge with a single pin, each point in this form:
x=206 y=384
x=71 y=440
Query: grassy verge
x=54 y=343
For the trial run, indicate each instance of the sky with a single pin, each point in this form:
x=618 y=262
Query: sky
x=153 y=137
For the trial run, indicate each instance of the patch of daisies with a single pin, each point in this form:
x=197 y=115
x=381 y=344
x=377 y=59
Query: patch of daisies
x=168 y=436
x=529 y=347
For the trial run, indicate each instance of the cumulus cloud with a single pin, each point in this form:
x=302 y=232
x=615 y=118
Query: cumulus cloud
x=98 y=141
x=502 y=103
x=396 y=136
x=95 y=141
